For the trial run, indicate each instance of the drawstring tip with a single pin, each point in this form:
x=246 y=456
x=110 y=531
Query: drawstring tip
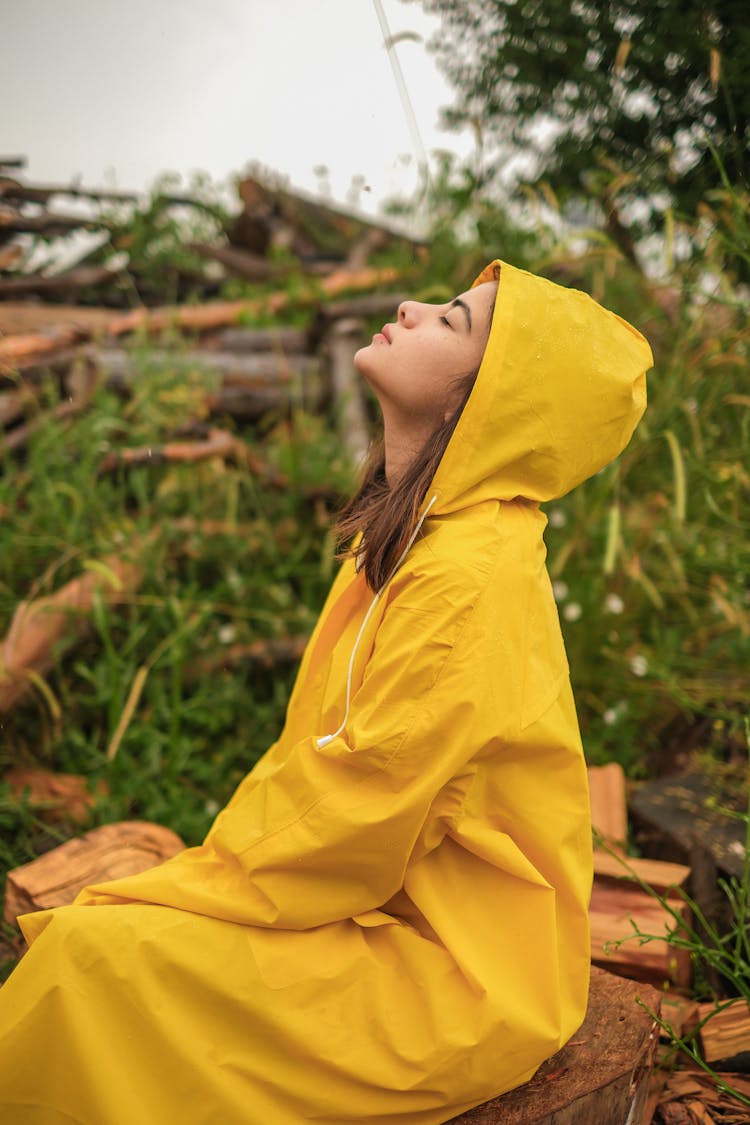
x=321 y=742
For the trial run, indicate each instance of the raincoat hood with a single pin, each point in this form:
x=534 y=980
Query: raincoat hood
x=561 y=387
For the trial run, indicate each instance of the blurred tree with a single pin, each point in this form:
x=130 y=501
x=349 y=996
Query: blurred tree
x=613 y=99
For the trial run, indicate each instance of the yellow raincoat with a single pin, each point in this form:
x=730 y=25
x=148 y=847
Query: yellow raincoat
x=390 y=924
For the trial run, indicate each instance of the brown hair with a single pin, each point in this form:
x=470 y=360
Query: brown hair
x=386 y=515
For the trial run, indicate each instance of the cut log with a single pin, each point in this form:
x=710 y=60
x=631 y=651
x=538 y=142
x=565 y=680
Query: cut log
x=614 y=903
x=111 y=852
x=609 y=812
x=599 y=1078
x=54 y=796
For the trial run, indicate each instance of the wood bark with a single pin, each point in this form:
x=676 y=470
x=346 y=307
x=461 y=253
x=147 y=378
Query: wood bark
x=599 y=1078
x=111 y=852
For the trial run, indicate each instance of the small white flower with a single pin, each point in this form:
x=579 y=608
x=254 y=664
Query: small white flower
x=613 y=603
x=560 y=590
x=611 y=716
x=235 y=581
x=639 y=665
x=691 y=405
x=211 y=807
x=227 y=633
x=572 y=611
x=557 y=518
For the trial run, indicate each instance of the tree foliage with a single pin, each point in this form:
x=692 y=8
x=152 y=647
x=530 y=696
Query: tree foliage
x=618 y=96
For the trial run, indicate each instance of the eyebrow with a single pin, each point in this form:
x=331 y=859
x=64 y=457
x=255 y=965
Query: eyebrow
x=458 y=303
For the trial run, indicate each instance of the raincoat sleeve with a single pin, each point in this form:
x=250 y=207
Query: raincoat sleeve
x=329 y=832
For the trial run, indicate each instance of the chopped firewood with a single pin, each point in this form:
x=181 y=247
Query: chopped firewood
x=609 y=813
x=40 y=629
x=658 y=874
x=614 y=903
x=262 y=655
x=55 y=796
x=599 y=1078
x=678 y=1012
x=724 y=1031
x=110 y=852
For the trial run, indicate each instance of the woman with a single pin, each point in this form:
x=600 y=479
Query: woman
x=388 y=922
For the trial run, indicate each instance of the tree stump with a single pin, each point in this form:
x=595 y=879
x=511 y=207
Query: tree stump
x=600 y=1077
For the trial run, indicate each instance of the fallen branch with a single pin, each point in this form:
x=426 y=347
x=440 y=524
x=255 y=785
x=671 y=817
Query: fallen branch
x=40 y=629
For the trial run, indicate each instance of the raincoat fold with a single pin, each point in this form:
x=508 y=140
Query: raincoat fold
x=387 y=924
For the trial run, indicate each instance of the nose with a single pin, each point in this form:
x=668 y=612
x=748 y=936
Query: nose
x=408 y=313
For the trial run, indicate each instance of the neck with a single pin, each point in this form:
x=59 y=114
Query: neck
x=401 y=444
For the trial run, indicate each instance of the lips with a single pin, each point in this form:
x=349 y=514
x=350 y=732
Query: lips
x=386 y=331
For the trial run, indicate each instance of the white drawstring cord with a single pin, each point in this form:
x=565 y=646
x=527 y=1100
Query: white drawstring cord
x=326 y=738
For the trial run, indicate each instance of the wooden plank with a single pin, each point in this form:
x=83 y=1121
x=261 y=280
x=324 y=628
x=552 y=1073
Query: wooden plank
x=600 y=1077
x=110 y=852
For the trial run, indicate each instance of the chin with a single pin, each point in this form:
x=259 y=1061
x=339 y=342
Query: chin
x=361 y=358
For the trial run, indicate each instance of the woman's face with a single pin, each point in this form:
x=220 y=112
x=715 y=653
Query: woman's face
x=415 y=365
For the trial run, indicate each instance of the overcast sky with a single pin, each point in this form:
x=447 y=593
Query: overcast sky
x=116 y=93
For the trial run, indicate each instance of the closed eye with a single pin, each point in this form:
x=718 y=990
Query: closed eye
x=444 y=320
